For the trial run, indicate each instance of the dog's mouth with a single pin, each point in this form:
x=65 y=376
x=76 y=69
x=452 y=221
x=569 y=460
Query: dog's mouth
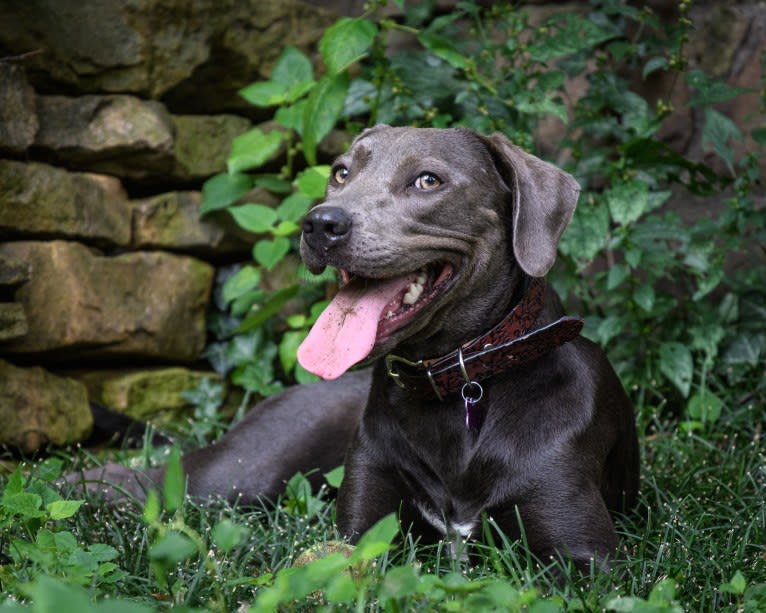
x=418 y=290
x=366 y=313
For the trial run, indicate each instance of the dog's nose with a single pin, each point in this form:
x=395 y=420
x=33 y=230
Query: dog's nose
x=326 y=226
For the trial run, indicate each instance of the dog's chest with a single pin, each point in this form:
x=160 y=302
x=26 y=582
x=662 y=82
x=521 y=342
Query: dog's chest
x=442 y=462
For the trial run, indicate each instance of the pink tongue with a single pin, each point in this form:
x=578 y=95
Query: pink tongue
x=346 y=330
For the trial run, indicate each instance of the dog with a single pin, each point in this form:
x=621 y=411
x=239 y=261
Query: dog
x=483 y=399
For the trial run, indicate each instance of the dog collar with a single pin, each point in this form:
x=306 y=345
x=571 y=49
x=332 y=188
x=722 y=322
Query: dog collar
x=510 y=343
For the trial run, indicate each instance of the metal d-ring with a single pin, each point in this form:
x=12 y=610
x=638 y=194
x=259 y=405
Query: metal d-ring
x=468 y=385
x=462 y=365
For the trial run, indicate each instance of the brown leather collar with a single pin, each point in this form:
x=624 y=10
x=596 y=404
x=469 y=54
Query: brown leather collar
x=509 y=343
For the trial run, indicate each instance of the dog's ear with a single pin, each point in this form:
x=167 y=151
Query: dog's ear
x=544 y=199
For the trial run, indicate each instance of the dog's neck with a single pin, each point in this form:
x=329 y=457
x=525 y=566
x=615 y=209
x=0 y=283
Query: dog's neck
x=522 y=336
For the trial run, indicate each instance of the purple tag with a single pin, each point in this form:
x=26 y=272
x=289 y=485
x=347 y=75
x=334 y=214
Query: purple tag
x=471 y=414
x=472 y=393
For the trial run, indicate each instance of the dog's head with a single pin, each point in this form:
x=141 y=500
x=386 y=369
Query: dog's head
x=431 y=230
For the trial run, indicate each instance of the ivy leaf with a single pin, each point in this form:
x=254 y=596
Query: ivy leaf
x=291 y=117
x=223 y=189
x=269 y=253
x=24 y=504
x=718 y=131
x=677 y=365
x=644 y=297
x=253 y=149
x=255 y=218
x=571 y=33
x=399 y=581
x=628 y=201
x=272 y=183
x=335 y=477
x=270 y=307
x=608 y=329
x=288 y=347
x=746 y=349
x=49 y=594
x=711 y=91
x=376 y=540
x=246 y=279
x=291 y=78
x=303 y=376
x=292 y=69
x=547 y=105
x=152 y=507
x=172 y=548
x=736 y=585
x=227 y=534
x=264 y=93
x=653 y=65
x=322 y=111
x=312 y=182
x=346 y=42
x=63 y=509
x=586 y=235
x=443 y=48
x=340 y=589
x=286 y=228
x=617 y=274
x=296 y=205
x=704 y=406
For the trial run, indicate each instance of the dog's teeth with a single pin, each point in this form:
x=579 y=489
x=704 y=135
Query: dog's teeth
x=389 y=315
x=421 y=280
x=413 y=293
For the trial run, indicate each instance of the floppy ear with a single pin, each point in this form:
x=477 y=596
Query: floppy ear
x=544 y=199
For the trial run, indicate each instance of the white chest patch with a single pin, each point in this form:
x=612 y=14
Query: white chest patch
x=447 y=527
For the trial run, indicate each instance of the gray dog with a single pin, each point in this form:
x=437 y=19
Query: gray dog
x=482 y=400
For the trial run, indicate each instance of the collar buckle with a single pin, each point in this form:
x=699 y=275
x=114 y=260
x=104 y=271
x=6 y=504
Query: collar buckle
x=392 y=360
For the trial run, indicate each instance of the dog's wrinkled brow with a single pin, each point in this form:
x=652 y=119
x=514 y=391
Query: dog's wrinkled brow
x=360 y=157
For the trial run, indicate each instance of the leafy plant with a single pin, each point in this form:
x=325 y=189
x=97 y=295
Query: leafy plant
x=34 y=537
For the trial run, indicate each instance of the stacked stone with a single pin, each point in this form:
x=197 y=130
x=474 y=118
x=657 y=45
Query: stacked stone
x=112 y=115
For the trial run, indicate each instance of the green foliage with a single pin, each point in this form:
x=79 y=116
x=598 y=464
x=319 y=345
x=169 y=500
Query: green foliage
x=34 y=539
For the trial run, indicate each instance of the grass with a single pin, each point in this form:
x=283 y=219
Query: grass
x=699 y=532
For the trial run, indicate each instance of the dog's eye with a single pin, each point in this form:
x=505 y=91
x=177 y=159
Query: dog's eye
x=340 y=174
x=427 y=181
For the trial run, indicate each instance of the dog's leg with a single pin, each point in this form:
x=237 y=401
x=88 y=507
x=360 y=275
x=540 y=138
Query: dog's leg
x=574 y=526
x=114 y=482
x=305 y=428
x=367 y=494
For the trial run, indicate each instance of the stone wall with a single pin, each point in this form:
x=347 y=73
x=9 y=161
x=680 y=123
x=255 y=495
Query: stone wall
x=112 y=114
